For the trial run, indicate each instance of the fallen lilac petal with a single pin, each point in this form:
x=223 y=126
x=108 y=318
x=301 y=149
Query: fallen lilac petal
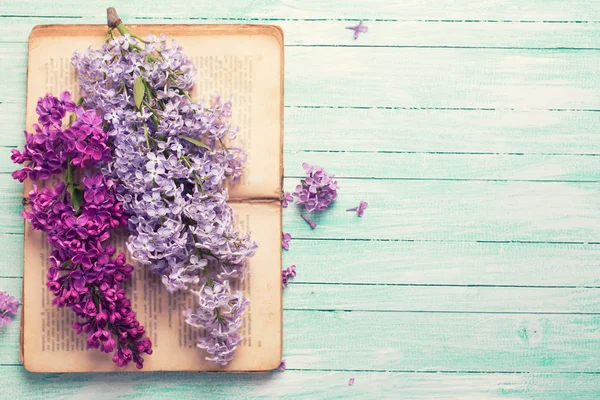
x=351 y=382
x=312 y=224
x=287 y=274
x=287 y=198
x=362 y=207
x=8 y=305
x=285 y=240
x=360 y=28
x=282 y=366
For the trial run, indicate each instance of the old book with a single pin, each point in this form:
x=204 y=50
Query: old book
x=239 y=60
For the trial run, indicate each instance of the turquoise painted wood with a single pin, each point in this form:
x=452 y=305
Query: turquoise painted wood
x=471 y=128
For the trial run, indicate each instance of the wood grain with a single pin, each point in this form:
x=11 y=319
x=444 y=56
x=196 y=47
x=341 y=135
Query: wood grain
x=483 y=78
x=381 y=33
x=360 y=164
x=503 y=10
x=438 y=131
x=295 y=384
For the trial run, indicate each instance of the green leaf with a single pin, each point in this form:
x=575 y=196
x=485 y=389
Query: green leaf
x=138 y=91
x=76 y=198
x=196 y=142
x=65 y=264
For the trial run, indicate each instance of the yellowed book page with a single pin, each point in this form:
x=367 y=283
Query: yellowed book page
x=49 y=344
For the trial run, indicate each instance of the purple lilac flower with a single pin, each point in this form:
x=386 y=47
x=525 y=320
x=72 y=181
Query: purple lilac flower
x=8 y=305
x=48 y=149
x=84 y=274
x=287 y=274
x=287 y=199
x=317 y=190
x=171 y=167
x=285 y=240
x=360 y=209
x=358 y=29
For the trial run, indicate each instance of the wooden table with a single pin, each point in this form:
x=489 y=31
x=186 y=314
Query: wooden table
x=470 y=127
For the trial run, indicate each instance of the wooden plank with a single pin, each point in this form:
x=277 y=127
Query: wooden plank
x=507 y=10
x=294 y=384
x=441 y=342
x=416 y=263
x=361 y=297
x=325 y=129
x=397 y=341
x=457 y=211
x=482 y=78
x=437 y=130
x=442 y=78
x=429 y=210
x=443 y=166
x=381 y=33
x=431 y=166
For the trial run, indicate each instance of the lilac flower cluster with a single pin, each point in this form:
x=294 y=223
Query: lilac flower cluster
x=8 y=305
x=317 y=190
x=171 y=166
x=49 y=149
x=84 y=274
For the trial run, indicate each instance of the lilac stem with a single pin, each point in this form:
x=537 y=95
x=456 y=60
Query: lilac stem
x=352 y=209
x=312 y=224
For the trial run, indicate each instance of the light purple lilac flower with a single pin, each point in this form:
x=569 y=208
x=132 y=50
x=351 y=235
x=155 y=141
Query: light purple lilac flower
x=285 y=240
x=84 y=274
x=8 y=305
x=360 y=209
x=287 y=274
x=358 y=29
x=317 y=190
x=287 y=199
x=171 y=167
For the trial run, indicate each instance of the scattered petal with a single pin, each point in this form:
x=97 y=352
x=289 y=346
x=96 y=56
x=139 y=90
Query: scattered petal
x=287 y=274
x=360 y=28
x=351 y=382
x=360 y=209
x=282 y=366
x=287 y=198
x=312 y=224
x=285 y=240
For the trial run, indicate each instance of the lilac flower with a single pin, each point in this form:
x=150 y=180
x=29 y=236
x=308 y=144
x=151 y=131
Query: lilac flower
x=285 y=240
x=171 y=170
x=8 y=305
x=360 y=209
x=282 y=366
x=350 y=381
x=358 y=29
x=287 y=198
x=287 y=274
x=317 y=190
x=84 y=274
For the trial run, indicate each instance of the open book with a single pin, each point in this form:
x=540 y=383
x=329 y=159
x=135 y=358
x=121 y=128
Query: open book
x=239 y=60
